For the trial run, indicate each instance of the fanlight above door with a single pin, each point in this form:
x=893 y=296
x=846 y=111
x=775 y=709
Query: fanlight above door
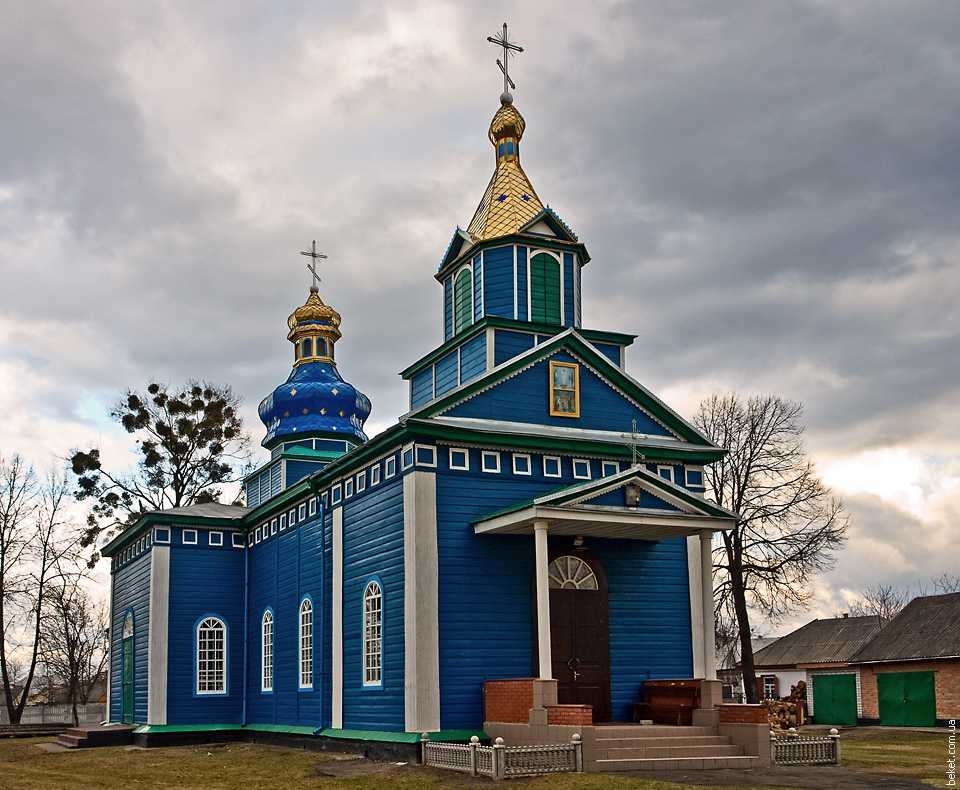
x=571 y=573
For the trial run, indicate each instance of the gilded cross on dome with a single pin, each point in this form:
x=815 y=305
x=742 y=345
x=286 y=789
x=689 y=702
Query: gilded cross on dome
x=312 y=265
x=508 y=46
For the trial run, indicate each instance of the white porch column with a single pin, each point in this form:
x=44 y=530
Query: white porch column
x=706 y=587
x=543 y=600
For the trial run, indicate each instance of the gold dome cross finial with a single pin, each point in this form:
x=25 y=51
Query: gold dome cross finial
x=312 y=265
x=508 y=47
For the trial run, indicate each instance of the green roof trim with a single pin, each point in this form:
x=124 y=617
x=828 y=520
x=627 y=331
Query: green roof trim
x=525 y=239
x=593 y=335
x=288 y=729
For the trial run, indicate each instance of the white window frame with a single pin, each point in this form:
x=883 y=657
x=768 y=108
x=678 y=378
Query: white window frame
x=404 y=466
x=668 y=468
x=336 y=494
x=432 y=464
x=372 y=636
x=529 y=464
x=156 y=535
x=559 y=461
x=465 y=466
x=292 y=517
x=305 y=646
x=361 y=481
x=375 y=475
x=389 y=467
x=237 y=544
x=348 y=488
x=215 y=538
x=259 y=535
x=250 y=538
x=605 y=468
x=189 y=537
x=283 y=524
x=312 y=509
x=219 y=683
x=488 y=454
x=589 y=473
x=686 y=476
x=453 y=297
x=267 y=642
x=772 y=694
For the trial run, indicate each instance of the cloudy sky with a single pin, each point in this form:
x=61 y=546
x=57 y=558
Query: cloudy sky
x=769 y=192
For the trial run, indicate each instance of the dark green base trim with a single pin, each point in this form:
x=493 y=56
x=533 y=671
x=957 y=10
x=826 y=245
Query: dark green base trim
x=383 y=736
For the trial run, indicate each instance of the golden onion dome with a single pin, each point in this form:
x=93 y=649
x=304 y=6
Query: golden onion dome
x=313 y=311
x=507 y=121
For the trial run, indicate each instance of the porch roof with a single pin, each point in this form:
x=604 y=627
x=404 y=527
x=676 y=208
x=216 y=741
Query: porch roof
x=567 y=511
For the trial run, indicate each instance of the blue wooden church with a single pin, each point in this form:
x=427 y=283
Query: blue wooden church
x=536 y=513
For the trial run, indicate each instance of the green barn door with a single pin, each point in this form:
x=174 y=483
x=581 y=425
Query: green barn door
x=907 y=699
x=126 y=659
x=835 y=699
x=544 y=289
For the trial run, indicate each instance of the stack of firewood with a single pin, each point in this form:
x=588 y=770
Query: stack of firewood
x=789 y=711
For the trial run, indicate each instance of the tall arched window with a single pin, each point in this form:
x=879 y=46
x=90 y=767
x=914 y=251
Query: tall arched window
x=463 y=300
x=128 y=625
x=372 y=634
x=211 y=656
x=306 y=644
x=544 y=289
x=266 y=652
x=571 y=573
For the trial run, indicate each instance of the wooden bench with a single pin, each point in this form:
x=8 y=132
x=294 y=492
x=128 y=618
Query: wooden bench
x=668 y=702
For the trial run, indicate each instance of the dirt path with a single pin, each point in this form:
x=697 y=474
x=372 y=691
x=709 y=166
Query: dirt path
x=812 y=777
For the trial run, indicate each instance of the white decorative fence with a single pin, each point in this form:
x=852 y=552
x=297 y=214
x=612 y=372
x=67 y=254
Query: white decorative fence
x=501 y=761
x=91 y=713
x=794 y=749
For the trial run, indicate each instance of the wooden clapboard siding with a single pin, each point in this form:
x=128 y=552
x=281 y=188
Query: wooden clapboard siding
x=131 y=592
x=447 y=372
x=544 y=289
x=569 y=311
x=473 y=358
x=421 y=389
x=498 y=281
x=448 y=308
x=507 y=344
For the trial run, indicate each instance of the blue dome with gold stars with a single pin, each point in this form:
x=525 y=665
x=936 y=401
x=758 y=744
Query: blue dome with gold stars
x=314 y=401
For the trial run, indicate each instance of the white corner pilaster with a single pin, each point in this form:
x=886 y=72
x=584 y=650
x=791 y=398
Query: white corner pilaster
x=543 y=600
x=490 y=348
x=696 y=604
x=706 y=591
x=336 y=624
x=421 y=621
x=158 y=635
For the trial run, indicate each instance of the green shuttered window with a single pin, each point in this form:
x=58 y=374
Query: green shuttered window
x=463 y=301
x=544 y=289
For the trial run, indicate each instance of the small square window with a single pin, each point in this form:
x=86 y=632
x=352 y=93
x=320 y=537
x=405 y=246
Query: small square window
x=551 y=466
x=361 y=482
x=521 y=464
x=390 y=467
x=426 y=455
x=348 y=488
x=375 y=475
x=490 y=461
x=459 y=459
x=564 y=389
x=161 y=535
x=406 y=457
x=313 y=506
x=215 y=538
x=323 y=498
x=694 y=477
x=250 y=539
x=301 y=512
x=336 y=494
x=190 y=536
x=581 y=469
x=292 y=517
x=258 y=535
x=283 y=524
x=148 y=539
x=610 y=468
x=236 y=540
x=666 y=472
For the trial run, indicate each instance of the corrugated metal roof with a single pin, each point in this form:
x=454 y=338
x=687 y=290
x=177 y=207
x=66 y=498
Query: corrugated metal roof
x=834 y=639
x=208 y=510
x=926 y=628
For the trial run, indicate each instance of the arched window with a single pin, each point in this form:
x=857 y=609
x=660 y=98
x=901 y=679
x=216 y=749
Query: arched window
x=463 y=300
x=266 y=652
x=571 y=573
x=127 y=626
x=306 y=644
x=211 y=656
x=544 y=289
x=372 y=634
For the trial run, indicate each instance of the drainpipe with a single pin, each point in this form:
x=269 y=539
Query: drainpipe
x=246 y=580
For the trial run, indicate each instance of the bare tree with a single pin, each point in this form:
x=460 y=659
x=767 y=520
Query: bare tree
x=945 y=583
x=883 y=600
x=74 y=646
x=788 y=524
x=38 y=550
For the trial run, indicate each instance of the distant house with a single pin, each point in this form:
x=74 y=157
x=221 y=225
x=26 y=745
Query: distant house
x=730 y=671
x=910 y=671
x=820 y=654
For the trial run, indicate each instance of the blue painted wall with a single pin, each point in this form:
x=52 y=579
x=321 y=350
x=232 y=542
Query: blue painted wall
x=448 y=308
x=373 y=547
x=297 y=470
x=610 y=350
x=506 y=344
x=477 y=287
x=525 y=398
x=569 y=318
x=421 y=389
x=498 y=281
x=522 y=283
x=204 y=580
x=473 y=358
x=447 y=372
x=131 y=591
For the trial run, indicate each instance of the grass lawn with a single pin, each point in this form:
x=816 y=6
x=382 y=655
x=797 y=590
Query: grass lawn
x=920 y=755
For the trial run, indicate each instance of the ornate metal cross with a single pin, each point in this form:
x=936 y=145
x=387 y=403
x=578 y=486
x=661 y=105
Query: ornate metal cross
x=312 y=265
x=508 y=47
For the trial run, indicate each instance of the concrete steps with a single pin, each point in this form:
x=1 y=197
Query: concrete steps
x=83 y=737
x=681 y=764
x=661 y=748
x=673 y=752
x=649 y=731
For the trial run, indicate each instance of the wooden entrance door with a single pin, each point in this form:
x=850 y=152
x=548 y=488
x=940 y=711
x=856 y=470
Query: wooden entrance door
x=579 y=633
x=128 y=680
